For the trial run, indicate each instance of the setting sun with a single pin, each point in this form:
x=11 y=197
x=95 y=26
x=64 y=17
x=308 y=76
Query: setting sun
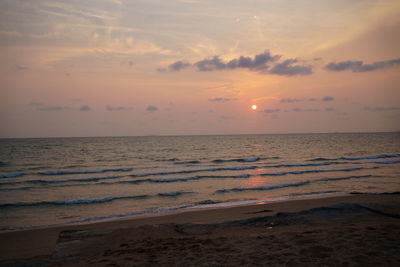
x=253 y=107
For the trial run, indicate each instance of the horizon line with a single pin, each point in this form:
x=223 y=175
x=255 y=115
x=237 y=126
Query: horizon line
x=177 y=135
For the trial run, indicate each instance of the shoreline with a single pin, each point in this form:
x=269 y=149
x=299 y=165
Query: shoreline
x=181 y=209
x=44 y=244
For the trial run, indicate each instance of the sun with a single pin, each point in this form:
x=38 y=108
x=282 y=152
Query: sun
x=254 y=107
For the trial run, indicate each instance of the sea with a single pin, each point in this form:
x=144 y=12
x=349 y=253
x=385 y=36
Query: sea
x=59 y=181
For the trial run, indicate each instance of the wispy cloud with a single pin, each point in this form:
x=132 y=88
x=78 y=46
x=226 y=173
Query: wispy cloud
x=328 y=98
x=360 y=66
x=151 y=108
x=39 y=106
x=120 y=108
x=221 y=99
x=312 y=99
x=271 y=110
x=305 y=110
x=51 y=108
x=85 y=108
x=379 y=109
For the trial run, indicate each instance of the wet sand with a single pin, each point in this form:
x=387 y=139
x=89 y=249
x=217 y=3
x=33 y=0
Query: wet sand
x=354 y=230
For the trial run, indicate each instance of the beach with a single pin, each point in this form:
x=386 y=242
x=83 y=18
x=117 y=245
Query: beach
x=349 y=230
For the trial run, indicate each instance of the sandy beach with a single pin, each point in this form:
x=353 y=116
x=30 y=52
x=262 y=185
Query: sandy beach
x=354 y=230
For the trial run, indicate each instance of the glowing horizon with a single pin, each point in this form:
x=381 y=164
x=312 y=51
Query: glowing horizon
x=121 y=68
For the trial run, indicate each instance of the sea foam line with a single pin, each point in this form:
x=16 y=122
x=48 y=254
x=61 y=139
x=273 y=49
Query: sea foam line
x=12 y=175
x=85 y=172
x=40 y=181
x=88 y=201
x=181 y=179
x=278 y=186
x=384 y=156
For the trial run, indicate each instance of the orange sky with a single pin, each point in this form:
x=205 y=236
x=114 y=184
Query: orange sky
x=114 y=67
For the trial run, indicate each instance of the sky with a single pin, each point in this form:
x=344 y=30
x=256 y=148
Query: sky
x=192 y=67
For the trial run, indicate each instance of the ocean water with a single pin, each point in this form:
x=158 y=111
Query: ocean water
x=54 y=181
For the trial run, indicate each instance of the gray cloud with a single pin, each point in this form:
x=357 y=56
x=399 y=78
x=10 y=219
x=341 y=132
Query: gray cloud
x=51 y=108
x=20 y=68
x=312 y=99
x=36 y=104
x=111 y=108
x=260 y=63
x=256 y=63
x=359 y=66
x=379 y=109
x=305 y=110
x=328 y=98
x=44 y=107
x=178 y=65
x=220 y=99
x=286 y=68
x=151 y=108
x=214 y=63
x=271 y=110
x=85 y=108
x=290 y=100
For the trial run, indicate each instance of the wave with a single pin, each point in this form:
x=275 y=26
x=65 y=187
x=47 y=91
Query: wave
x=85 y=172
x=172 y=194
x=345 y=178
x=272 y=187
x=262 y=188
x=12 y=175
x=303 y=165
x=69 y=202
x=207 y=202
x=89 y=179
x=194 y=171
x=188 y=162
x=182 y=179
x=316 y=193
x=313 y=171
x=4 y=164
x=237 y=160
x=386 y=162
x=239 y=168
x=384 y=156
x=89 y=201
x=121 y=215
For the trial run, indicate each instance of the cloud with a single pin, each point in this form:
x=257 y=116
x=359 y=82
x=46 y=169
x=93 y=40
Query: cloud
x=312 y=99
x=51 y=108
x=290 y=100
x=20 y=68
x=286 y=68
x=305 y=110
x=36 y=104
x=85 y=108
x=220 y=99
x=178 y=65
x=111 y=108
x=379 y=109
x=151 y=108
x=214 y=63
x=328 y=98
x=271 y=110
x=359 y=66
x=44 y=107
x=256 y=63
